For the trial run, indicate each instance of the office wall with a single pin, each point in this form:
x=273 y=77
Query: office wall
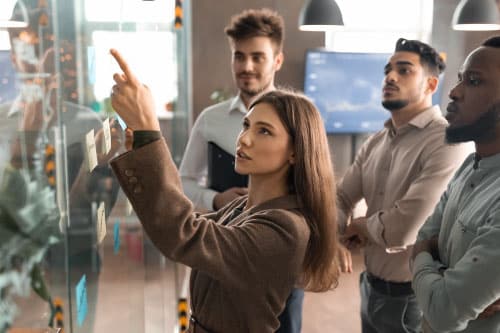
x=211 y=55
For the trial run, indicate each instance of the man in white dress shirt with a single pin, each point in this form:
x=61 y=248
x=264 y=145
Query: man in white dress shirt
x=256 y=41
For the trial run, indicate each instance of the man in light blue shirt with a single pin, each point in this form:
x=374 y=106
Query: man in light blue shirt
x=456 y=261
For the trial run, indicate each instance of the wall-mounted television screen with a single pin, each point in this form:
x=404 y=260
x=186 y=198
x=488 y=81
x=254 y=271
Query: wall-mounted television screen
x=347 y=89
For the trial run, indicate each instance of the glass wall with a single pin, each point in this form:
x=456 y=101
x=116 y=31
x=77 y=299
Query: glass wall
x=72 y=253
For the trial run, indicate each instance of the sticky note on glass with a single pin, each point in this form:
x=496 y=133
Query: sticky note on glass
x=128 y=207
x=107 y=136
x=91 y=68
x=116 y=236
x=91 y=153
x=121 y=122
x=81 y=300
x=101 y=223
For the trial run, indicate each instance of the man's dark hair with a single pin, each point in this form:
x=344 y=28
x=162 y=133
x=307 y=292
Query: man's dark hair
x=257 y=23
x=492 y=42
x=429 y=57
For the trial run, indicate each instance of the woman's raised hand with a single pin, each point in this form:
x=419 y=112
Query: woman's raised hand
x=132 y=100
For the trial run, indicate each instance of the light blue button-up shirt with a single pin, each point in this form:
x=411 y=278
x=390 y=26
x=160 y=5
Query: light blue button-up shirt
x=452 y=292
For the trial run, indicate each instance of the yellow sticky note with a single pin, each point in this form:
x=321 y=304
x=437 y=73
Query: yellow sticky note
x=107 y=136
x=101 y=223
x=91 y=153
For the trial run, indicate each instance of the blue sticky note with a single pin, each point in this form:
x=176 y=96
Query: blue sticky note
x=81 y=300
x=116 y=234
x=91 y=71
x=120 y=121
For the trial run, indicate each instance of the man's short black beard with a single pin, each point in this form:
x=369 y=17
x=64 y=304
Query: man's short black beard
x=483 y=130
x=251 y=93
x=395 y=105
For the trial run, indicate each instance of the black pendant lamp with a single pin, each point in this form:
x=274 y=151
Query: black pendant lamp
x=13 y=14
x=320 y=15
x=476 y=15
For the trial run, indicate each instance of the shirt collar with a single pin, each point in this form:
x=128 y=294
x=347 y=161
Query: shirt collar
x=421 y=120
x=237 y=105
x=489 y=162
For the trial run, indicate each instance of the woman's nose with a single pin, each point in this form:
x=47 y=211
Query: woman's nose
x=244 y=138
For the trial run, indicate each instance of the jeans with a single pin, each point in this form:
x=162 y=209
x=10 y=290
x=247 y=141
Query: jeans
x=382 y=313
x=291 y=317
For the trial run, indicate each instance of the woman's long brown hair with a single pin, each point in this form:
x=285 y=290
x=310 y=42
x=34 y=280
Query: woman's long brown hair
x=312 y=180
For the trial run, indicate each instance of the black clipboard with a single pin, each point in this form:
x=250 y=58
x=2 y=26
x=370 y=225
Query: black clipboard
x=221 y=174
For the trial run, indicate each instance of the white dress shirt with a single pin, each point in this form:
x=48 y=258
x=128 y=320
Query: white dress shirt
x=220 y=123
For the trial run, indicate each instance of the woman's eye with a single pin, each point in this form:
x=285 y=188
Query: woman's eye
x=265 y=131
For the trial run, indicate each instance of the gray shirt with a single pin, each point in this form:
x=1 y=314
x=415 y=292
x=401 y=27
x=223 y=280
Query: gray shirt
x=452 y=292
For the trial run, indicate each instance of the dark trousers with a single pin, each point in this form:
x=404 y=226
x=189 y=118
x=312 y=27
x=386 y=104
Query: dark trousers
x=388 y=307
x=291 y=317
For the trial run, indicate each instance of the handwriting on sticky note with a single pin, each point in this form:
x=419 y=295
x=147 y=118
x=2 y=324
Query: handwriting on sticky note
x=91 y=153
x=116 y=236
x=107 y=136
x=81 y=300
x=101 y=223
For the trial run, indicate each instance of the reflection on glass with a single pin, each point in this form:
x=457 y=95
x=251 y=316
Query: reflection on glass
x=53 y=85
x=36 y=236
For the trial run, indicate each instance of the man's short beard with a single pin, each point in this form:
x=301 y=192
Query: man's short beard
x=255 y=92
x=251 y=93
x=395 y=105
x=483 y=130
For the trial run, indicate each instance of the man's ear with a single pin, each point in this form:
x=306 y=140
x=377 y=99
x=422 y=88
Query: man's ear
x=278 y=61
x=432 y=84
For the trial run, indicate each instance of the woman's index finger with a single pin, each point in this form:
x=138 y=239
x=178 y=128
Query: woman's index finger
x=123 y=65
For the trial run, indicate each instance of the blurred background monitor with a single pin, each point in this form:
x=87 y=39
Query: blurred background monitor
x=347 y=89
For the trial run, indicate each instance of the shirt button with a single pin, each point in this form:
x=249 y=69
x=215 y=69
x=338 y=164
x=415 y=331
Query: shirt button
x=138 y=189
x=471 y=185
x=132 y=180
x=129 y=172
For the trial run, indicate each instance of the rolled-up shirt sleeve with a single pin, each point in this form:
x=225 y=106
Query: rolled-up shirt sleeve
x=350 y=189
x=193 y=168
x=398 y=225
